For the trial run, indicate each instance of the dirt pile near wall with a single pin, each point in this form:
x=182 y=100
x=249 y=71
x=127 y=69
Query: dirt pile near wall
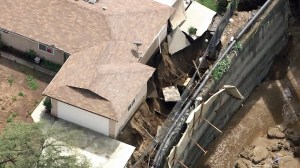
x=236 y=24
x=280 y=147
x=167 y=73
x=277 y=149
x=142 y=128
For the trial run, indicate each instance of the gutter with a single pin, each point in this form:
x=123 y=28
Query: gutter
x=162 y=151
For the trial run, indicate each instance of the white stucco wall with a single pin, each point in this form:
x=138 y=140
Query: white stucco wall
x=83 y=118
x=128 y=114
x=155 y=44
x=24 y=44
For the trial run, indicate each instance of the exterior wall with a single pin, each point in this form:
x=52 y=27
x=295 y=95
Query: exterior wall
x=24 y=44
x=54 y=107
x=128 y=114
x=95 y=122
x=155 y=44
x=83 y=118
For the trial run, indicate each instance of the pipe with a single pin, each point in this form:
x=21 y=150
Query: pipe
x=163 y=147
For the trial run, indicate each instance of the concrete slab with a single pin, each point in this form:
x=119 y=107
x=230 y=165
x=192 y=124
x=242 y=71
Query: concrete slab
x=102 y=151
x=177 y=41
x=171 y=94
x=199 y=17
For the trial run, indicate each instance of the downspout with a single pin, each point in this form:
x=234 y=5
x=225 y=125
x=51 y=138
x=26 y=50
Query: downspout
x=162 y=149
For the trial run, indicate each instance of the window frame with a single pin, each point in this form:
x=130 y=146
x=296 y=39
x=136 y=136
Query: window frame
x=48 y=49
x=130 y=105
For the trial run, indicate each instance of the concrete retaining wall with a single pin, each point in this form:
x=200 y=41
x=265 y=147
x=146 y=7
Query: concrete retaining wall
x=248 y=68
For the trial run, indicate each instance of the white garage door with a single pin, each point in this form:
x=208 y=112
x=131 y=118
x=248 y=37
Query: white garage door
x=83 y=118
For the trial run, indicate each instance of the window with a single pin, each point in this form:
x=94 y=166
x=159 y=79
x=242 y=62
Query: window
x=42 y=47
x=47 y=49
x=131 y=104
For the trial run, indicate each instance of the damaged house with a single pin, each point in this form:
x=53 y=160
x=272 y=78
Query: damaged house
x=103 y=48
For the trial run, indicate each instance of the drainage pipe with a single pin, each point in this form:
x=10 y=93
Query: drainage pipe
x=164 y=144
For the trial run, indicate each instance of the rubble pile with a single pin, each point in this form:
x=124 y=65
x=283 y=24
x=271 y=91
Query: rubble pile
x=280 y=148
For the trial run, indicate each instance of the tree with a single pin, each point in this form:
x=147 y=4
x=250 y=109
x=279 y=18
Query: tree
x=25 y=145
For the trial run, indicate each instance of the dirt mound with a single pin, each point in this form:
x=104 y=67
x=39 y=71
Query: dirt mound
x=167 y=73
x=276 y=149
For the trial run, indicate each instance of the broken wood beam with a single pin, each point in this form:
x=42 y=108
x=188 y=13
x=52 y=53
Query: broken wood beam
x=197 y=70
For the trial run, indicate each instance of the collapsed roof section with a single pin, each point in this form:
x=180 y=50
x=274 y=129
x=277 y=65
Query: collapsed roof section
x=179 y=14
x=177 y=41
x=199 y=17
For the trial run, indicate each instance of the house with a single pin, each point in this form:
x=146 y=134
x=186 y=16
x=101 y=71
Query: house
x=104 y=77
x=59 y=28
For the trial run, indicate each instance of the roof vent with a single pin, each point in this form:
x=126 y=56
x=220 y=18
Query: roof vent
x=92 y=1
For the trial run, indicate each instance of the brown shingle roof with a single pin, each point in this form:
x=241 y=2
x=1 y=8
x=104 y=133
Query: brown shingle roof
x=75 y=25
x=102 y=74
x=97 y=84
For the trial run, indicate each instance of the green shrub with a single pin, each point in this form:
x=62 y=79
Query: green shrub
x=222 y=67
x=14 y=114
x=30 y=54
x=10 y=80
x=21 y=94
x=9 y=119
x=192 y=30
x=31 y=82
x=47 y=104
x=238 y=46
x=50 y=65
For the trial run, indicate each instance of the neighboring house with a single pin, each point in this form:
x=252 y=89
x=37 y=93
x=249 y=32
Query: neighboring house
x=103 y=81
